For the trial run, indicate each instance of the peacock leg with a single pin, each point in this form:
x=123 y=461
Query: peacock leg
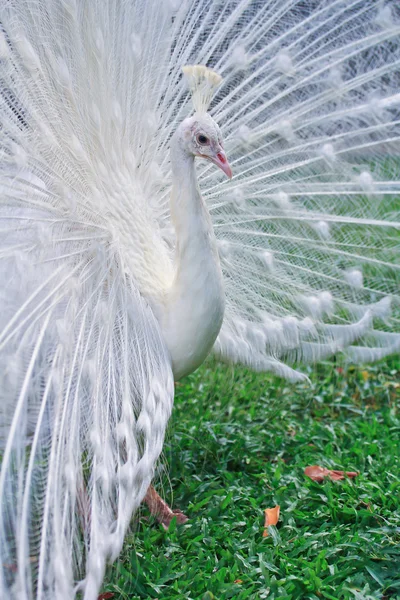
x=160 y=509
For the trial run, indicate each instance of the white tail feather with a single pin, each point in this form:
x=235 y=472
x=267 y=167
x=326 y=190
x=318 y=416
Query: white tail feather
x=93 y=392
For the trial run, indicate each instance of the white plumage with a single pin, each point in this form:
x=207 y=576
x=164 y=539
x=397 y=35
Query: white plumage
x=118 y=274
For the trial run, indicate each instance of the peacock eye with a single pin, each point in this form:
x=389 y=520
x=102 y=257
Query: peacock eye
x=202 y=139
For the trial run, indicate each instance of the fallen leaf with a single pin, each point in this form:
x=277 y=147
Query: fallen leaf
x=106 y=596
x=317 y=473
x=271 y=518
x=238 y=581
x=365 y=375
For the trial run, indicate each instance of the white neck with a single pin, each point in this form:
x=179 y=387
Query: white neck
x=194 y=306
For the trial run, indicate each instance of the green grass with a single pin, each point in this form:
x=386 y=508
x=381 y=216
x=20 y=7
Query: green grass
x=239 y=443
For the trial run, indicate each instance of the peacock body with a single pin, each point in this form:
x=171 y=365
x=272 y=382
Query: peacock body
x=124 y=261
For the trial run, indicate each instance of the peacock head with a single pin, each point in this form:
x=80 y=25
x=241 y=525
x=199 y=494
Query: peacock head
x=202 y=138
x=201 y=134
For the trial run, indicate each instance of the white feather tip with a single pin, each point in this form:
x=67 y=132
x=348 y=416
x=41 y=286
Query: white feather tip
x=202 y=83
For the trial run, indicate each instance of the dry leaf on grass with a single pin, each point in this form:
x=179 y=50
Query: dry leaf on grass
x=317 y=473
x=106 y=596
x=271 y=518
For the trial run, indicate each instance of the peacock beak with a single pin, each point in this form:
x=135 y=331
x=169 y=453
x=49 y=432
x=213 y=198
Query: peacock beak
x=221 y=161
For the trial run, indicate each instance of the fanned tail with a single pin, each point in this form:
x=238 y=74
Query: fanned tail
x=309 y=226
x=87 y=386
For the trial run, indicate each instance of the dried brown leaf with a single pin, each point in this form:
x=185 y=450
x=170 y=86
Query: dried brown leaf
x=271 y=518
x=317 y=473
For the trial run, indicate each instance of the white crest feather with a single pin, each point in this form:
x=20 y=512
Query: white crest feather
x=202 y=83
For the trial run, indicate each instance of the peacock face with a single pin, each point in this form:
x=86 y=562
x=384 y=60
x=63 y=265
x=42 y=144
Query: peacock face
x=204 y=140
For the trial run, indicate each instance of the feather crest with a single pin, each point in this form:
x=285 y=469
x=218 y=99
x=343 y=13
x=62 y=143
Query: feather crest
x=202 y=83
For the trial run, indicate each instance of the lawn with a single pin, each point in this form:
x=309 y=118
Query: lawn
x=239 y=443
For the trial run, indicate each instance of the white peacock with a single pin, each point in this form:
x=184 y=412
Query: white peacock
x=119 y=275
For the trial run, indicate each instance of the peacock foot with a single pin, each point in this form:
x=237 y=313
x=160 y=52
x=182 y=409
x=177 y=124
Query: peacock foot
x=160 y=509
